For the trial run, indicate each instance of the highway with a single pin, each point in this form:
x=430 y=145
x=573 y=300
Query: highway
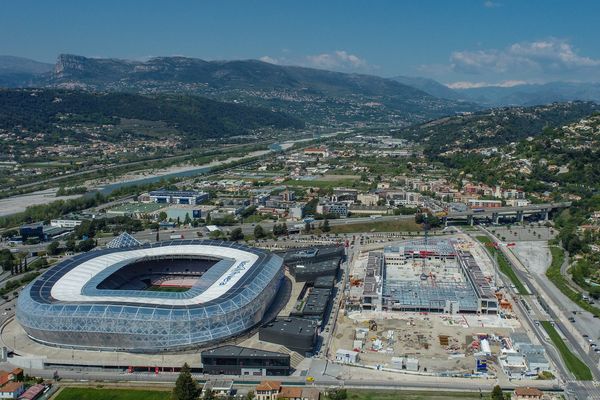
x=487 y=212
x=539 y=288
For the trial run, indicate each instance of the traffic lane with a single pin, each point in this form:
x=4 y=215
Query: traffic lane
x=572 y=342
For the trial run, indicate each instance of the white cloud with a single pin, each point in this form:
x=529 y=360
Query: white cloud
x=551 y=55
x=472 y=85
x=270 y=60
x=491 y=4
x=339 y=59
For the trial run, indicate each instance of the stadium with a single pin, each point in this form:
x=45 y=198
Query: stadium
x=165 y=296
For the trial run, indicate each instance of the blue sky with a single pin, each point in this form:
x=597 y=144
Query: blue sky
x=456 y=42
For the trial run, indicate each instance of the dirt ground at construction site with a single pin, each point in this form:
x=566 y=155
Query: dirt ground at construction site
x=420 y=336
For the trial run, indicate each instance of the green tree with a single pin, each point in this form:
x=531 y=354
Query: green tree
x=259 y=232
x=307 y=227
x=497 y=393
x=187 y=219
x=337 y=394
x=7 y=260
x=185 y=387
x=53 y=248
x=326 y=227
x=236 y=234
x=86 y=245
x=162 y=216
x=215 y=234
x=70 y=245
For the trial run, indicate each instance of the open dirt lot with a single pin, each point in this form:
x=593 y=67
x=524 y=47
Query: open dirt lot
x=418 y=335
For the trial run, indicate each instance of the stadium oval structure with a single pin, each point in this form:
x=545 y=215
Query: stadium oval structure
x=103 y=299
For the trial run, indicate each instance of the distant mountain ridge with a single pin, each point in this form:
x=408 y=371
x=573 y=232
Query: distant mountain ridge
x=317 y=96
x=431 y=86
x=20 y=65
x=19 y=71
x=532 y=94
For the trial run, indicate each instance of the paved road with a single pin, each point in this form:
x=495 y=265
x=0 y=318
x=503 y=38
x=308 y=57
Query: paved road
x=546 y=292
x=550 y=349
x=401 y=382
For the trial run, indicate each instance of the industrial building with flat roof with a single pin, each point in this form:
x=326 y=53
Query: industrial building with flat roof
x=427 y=276
x=307 y=265
x=236 y=360
x=177 y=197
x=297 y=334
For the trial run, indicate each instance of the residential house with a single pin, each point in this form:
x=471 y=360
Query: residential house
x=12 y=390
x=218 y=388
x=290 y=393
x=528 y=393
x=310 y=393
x=267 y=390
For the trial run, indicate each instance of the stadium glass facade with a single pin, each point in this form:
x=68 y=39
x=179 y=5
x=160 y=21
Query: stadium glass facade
x=144 y=327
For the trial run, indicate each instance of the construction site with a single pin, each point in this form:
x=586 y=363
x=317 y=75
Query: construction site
x=427 y=306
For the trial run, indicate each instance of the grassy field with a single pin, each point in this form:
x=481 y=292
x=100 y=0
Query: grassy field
x=401 y=225
x=575 y=365
x=504 y=265
x=553 y=273
x=111 y=394
x=327 y=183
x=410 y=395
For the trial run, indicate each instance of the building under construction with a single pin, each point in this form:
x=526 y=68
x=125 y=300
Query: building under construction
x=426 y=276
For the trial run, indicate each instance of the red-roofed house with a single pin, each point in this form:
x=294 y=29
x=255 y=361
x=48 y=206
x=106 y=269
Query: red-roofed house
x=290 y=393
x=16 y=374
x=268 y=390
x=4 y=378
x=528 y=393
x=12 y=390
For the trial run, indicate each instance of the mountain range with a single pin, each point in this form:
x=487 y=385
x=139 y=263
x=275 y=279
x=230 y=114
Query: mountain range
x=517 y=95
x=317 y=96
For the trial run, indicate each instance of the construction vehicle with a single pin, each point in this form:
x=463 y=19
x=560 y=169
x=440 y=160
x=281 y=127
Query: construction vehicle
x=372 y=325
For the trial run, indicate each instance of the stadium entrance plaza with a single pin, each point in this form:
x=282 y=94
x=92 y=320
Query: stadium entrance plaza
x=13 y=336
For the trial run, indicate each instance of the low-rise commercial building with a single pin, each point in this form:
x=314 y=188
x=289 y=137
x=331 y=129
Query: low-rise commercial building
x=177 y=197
x=297 y=334
x=236 y=360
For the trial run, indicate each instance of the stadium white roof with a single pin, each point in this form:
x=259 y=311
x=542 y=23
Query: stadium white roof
x=69 y=288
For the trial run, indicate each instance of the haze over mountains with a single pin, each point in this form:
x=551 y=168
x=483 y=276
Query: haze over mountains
x=517 y=95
